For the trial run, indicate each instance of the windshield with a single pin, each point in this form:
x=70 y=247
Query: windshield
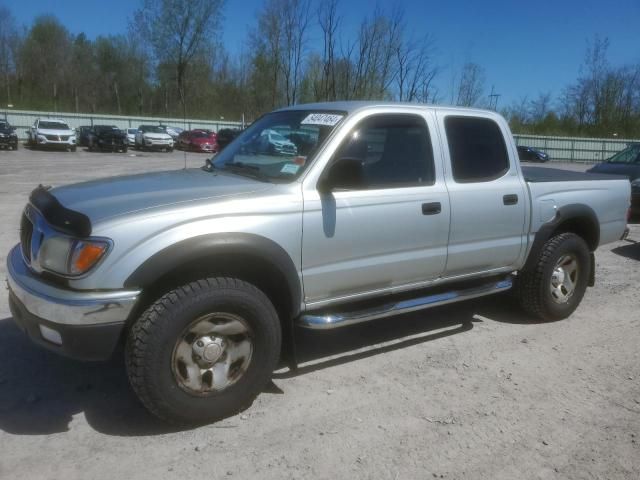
x=628 y=155
x=105 y=128
x=279 y=146
x=53 y=126
x=152 y=129
x=200 y=134
x=132 y=131
x=4 y=126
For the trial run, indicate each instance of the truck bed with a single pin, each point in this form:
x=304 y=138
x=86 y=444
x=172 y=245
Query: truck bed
x=546 y=174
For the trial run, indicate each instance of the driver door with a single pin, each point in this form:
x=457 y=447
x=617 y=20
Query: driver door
x=391 y=231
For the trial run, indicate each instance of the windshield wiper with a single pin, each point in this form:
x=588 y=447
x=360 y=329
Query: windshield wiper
x=245 y=168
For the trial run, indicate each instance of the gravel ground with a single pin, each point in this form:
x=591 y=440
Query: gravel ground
x=466 y=391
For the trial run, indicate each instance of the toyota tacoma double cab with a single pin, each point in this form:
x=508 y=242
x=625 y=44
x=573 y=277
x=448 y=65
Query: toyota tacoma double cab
x=204 y=275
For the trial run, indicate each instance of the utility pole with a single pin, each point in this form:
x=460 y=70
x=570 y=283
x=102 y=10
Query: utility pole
x=493 y=99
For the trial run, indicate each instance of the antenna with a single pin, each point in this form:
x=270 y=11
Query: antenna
x=184 y=122
x=493 y=99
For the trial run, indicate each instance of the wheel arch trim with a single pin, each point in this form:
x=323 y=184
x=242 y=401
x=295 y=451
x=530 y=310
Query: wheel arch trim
x=223 y=244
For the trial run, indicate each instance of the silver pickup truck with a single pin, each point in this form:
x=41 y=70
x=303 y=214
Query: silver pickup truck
x=317 y=216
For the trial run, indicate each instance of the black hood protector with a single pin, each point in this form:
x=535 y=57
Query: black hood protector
x=57 y=215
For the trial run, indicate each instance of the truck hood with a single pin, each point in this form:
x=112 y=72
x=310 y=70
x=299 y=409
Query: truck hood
x=112 y=197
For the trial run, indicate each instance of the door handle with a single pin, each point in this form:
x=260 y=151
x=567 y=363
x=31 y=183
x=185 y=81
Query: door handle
x=511 y=199
x=432 y=208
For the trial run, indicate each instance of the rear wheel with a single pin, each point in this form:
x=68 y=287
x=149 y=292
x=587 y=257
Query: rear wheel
x=553 y=288
x=203 y=351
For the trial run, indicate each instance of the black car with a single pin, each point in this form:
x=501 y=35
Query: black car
x=8 y=136
x=107 y=137
x=82 y=135
x=635 y=198
x=226 y=135
x=625 y=162
x=529 y=154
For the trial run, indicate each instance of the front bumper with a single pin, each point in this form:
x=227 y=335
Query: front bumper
x=206 y=148
x=113 y=144
x=86 y=324
x=8 y=142
x=159 y=144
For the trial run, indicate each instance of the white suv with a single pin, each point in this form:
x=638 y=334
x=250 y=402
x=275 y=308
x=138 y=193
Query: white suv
x=51 y=132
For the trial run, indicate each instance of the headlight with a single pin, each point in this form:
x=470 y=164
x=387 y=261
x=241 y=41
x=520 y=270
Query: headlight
x=636 y=183
x=2 y=135
x=69 y=256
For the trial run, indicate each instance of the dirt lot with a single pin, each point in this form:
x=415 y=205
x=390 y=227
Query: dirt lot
x=468 y=391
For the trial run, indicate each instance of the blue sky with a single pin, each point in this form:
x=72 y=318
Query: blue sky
x=525 y=47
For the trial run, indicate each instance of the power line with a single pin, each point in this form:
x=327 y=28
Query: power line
x=493 y=99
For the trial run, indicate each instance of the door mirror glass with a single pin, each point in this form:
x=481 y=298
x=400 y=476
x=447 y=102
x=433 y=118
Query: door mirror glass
x=345 y=174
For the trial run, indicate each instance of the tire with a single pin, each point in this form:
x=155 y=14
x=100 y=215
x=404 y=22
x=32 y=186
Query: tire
x=125 y=149
x=74 y=148
x=161 y=380
x=539 y=289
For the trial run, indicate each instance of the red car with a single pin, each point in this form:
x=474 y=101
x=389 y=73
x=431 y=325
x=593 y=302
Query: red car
x=198 y=141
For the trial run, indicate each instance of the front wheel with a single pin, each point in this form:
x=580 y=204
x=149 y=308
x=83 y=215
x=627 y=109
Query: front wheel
x=553 y=288
x=203 y=351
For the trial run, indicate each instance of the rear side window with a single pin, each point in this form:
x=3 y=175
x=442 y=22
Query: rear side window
x=477 y=149
x=394 y=151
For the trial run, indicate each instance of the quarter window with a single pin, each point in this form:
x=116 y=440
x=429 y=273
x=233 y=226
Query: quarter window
x=394 y=151
x=477 y=149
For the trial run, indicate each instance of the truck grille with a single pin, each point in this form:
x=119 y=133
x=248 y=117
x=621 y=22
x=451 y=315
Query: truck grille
x=26 y=232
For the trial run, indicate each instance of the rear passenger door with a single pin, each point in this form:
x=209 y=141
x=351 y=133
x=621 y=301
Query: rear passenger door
x=387 y=232
x=488 y=197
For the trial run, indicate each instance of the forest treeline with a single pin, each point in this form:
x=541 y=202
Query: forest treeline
x=173 y=61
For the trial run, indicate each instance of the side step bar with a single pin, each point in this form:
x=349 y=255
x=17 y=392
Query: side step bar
x=327 y=321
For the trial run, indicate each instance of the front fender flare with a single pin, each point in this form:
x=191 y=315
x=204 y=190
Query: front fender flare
x=226 y=244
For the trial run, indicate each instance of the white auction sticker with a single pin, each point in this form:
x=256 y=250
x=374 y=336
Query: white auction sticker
x=290 y=168
x=328 y=119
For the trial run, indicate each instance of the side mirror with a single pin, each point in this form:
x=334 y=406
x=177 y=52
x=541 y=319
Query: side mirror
x=345 y=174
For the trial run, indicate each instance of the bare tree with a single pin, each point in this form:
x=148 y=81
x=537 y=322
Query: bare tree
x=540 y=107
x=178 y=30
x=295 y=16
x=9 y=40
x=329 y=23
x=415 y=71
x=471 y=85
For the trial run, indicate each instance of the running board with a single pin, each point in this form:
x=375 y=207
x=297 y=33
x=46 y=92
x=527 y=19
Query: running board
x=327 y=321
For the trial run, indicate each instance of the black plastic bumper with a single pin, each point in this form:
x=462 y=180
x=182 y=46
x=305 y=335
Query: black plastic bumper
x=82 y=342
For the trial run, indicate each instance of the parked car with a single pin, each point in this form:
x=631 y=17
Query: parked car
x=82 y=135
x=51 y=132
x=198 y=141
x=173 y=131
x=635 y=198
x=8 y=136
x=530 y=154
x=107 y=137
x=625 y=162
x=225 y=136
x=272 y=142
x=205 y=272
x=131 y=136
x=153 y=137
